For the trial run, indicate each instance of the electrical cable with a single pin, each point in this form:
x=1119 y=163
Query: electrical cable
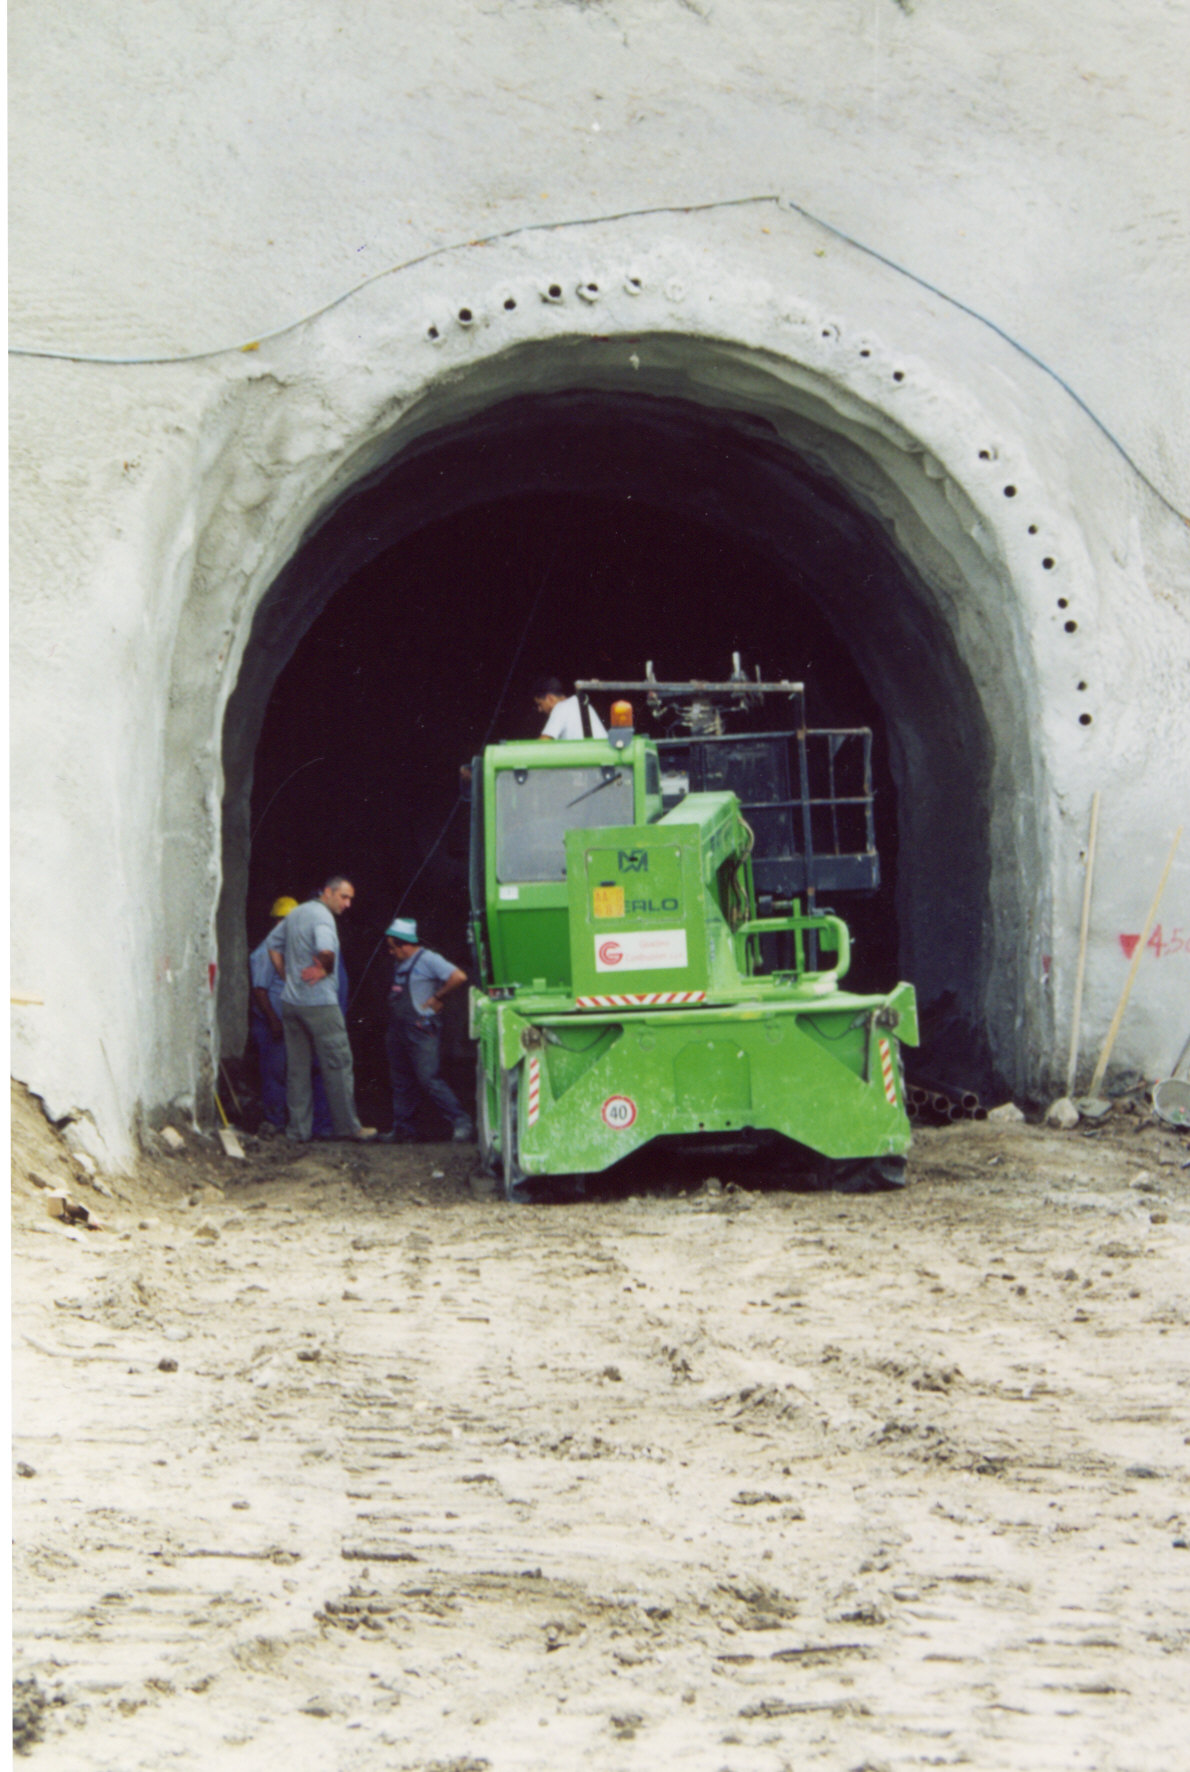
x=516 y=657
x=459 y=801
x=427 y=859
x=308 y=764
x=1030 y=356
x=407 y=264
x=254 y=344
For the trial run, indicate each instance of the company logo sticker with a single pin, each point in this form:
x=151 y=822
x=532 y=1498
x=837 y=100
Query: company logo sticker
x=650 y=950
x=619 y=1112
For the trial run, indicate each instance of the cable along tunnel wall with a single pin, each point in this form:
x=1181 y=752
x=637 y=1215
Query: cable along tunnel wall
x=921 y=493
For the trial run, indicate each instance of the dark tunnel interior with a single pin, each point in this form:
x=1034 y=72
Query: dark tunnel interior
x=428 y=647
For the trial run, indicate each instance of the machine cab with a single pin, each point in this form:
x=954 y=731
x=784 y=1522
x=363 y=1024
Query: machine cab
x=525 y=797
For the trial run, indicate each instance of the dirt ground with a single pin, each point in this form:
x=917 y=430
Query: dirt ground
x=326 y=1461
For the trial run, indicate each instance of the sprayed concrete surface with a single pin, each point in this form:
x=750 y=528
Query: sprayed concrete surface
x=311 y=182
x=326 y=1462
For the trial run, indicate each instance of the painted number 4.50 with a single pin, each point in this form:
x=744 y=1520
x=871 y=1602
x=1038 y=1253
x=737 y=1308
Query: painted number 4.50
x=1163 y=945
x=619 y=1111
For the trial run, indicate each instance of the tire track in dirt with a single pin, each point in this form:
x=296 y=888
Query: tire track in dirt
x=719 y=1479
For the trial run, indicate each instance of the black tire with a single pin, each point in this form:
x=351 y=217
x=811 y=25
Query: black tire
x=864 y=1175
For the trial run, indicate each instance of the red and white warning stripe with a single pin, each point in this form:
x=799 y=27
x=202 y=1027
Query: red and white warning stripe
x=534 y=1104
x=649 y=998
x=888 y=1072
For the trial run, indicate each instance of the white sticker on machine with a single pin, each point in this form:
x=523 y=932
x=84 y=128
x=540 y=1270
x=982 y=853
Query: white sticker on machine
x=649 y=950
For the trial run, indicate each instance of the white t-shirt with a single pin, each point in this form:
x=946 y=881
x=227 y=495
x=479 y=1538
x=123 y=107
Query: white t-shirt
x=566 y=721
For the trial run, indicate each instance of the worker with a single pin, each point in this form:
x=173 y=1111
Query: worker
x=267 y=1033
x=304 y=949
x=568 y=717
x=422 y=980
x=269 y=1036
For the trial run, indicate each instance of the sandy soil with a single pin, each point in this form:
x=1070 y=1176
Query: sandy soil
x=326 y=1462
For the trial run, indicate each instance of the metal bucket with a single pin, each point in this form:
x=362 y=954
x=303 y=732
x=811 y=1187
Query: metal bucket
x=1171 y=1102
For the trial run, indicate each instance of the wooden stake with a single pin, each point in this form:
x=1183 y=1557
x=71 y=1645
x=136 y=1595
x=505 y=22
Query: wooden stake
x=1076 y=1012
x=1118 y=1017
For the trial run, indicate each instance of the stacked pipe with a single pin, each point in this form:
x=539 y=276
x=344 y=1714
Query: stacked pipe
x=931 y=1106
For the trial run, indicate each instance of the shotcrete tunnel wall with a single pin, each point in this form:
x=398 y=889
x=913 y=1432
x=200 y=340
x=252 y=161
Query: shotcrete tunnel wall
x=1004 y=615
x=725 y=471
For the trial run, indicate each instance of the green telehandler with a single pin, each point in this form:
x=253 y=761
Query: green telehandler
x=651 y=960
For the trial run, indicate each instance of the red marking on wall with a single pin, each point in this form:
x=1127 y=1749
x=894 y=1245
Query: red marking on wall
x=212 y=969
x=1161 y=944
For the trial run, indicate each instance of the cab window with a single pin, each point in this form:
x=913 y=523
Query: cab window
x=536 y=807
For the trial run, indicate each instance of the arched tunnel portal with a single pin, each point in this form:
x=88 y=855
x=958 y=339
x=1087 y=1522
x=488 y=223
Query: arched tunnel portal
x=583 y=531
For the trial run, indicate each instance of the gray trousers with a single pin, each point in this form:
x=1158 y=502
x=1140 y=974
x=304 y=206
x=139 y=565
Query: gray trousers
x=318 y=1031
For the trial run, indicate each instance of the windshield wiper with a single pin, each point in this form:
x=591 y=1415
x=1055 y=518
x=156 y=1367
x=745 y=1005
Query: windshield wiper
x=616 y=775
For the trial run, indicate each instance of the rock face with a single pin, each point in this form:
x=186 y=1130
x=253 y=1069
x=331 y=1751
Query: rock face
x=916 y=276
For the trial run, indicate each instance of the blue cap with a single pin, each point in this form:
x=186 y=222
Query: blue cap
x=403 y=929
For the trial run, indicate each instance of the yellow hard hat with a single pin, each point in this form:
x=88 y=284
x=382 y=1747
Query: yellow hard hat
x=283 y=906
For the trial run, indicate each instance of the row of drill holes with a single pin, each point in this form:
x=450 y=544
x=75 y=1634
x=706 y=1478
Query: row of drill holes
x=897 y=374
x=1048 y=563
x=554 y=292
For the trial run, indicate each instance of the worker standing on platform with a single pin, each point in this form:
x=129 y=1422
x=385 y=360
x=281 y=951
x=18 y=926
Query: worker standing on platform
x=567 y=715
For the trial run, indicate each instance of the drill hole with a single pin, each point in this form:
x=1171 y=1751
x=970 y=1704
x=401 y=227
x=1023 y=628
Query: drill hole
x=1063 y=602
x=1071 y=627
x=898 y=375
x=1049 y=563
x=1084 y=719
x=509 y=303
x=1082 y=686
x=1010 y=492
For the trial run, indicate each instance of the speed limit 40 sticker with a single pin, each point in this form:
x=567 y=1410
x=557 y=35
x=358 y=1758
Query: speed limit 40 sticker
x=619 y=1112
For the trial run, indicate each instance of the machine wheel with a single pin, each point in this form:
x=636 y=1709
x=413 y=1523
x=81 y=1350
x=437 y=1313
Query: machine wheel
x=511 y=1170
x=864 y=1175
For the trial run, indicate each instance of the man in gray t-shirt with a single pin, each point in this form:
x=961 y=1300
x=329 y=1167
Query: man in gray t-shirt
x=304 y=948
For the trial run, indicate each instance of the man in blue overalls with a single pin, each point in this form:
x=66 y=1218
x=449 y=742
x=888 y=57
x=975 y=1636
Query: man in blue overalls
x=413 y=1037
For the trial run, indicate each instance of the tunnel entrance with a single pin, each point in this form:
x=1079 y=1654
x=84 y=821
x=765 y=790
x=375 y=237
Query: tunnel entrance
x=583 y=534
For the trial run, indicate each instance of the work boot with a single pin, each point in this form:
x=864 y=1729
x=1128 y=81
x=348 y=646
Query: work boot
x=398 y=1135
x=463 y=1132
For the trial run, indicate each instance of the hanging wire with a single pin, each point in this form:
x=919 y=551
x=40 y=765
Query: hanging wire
x=308 y=764
x=590 y=221
x=459 y=801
